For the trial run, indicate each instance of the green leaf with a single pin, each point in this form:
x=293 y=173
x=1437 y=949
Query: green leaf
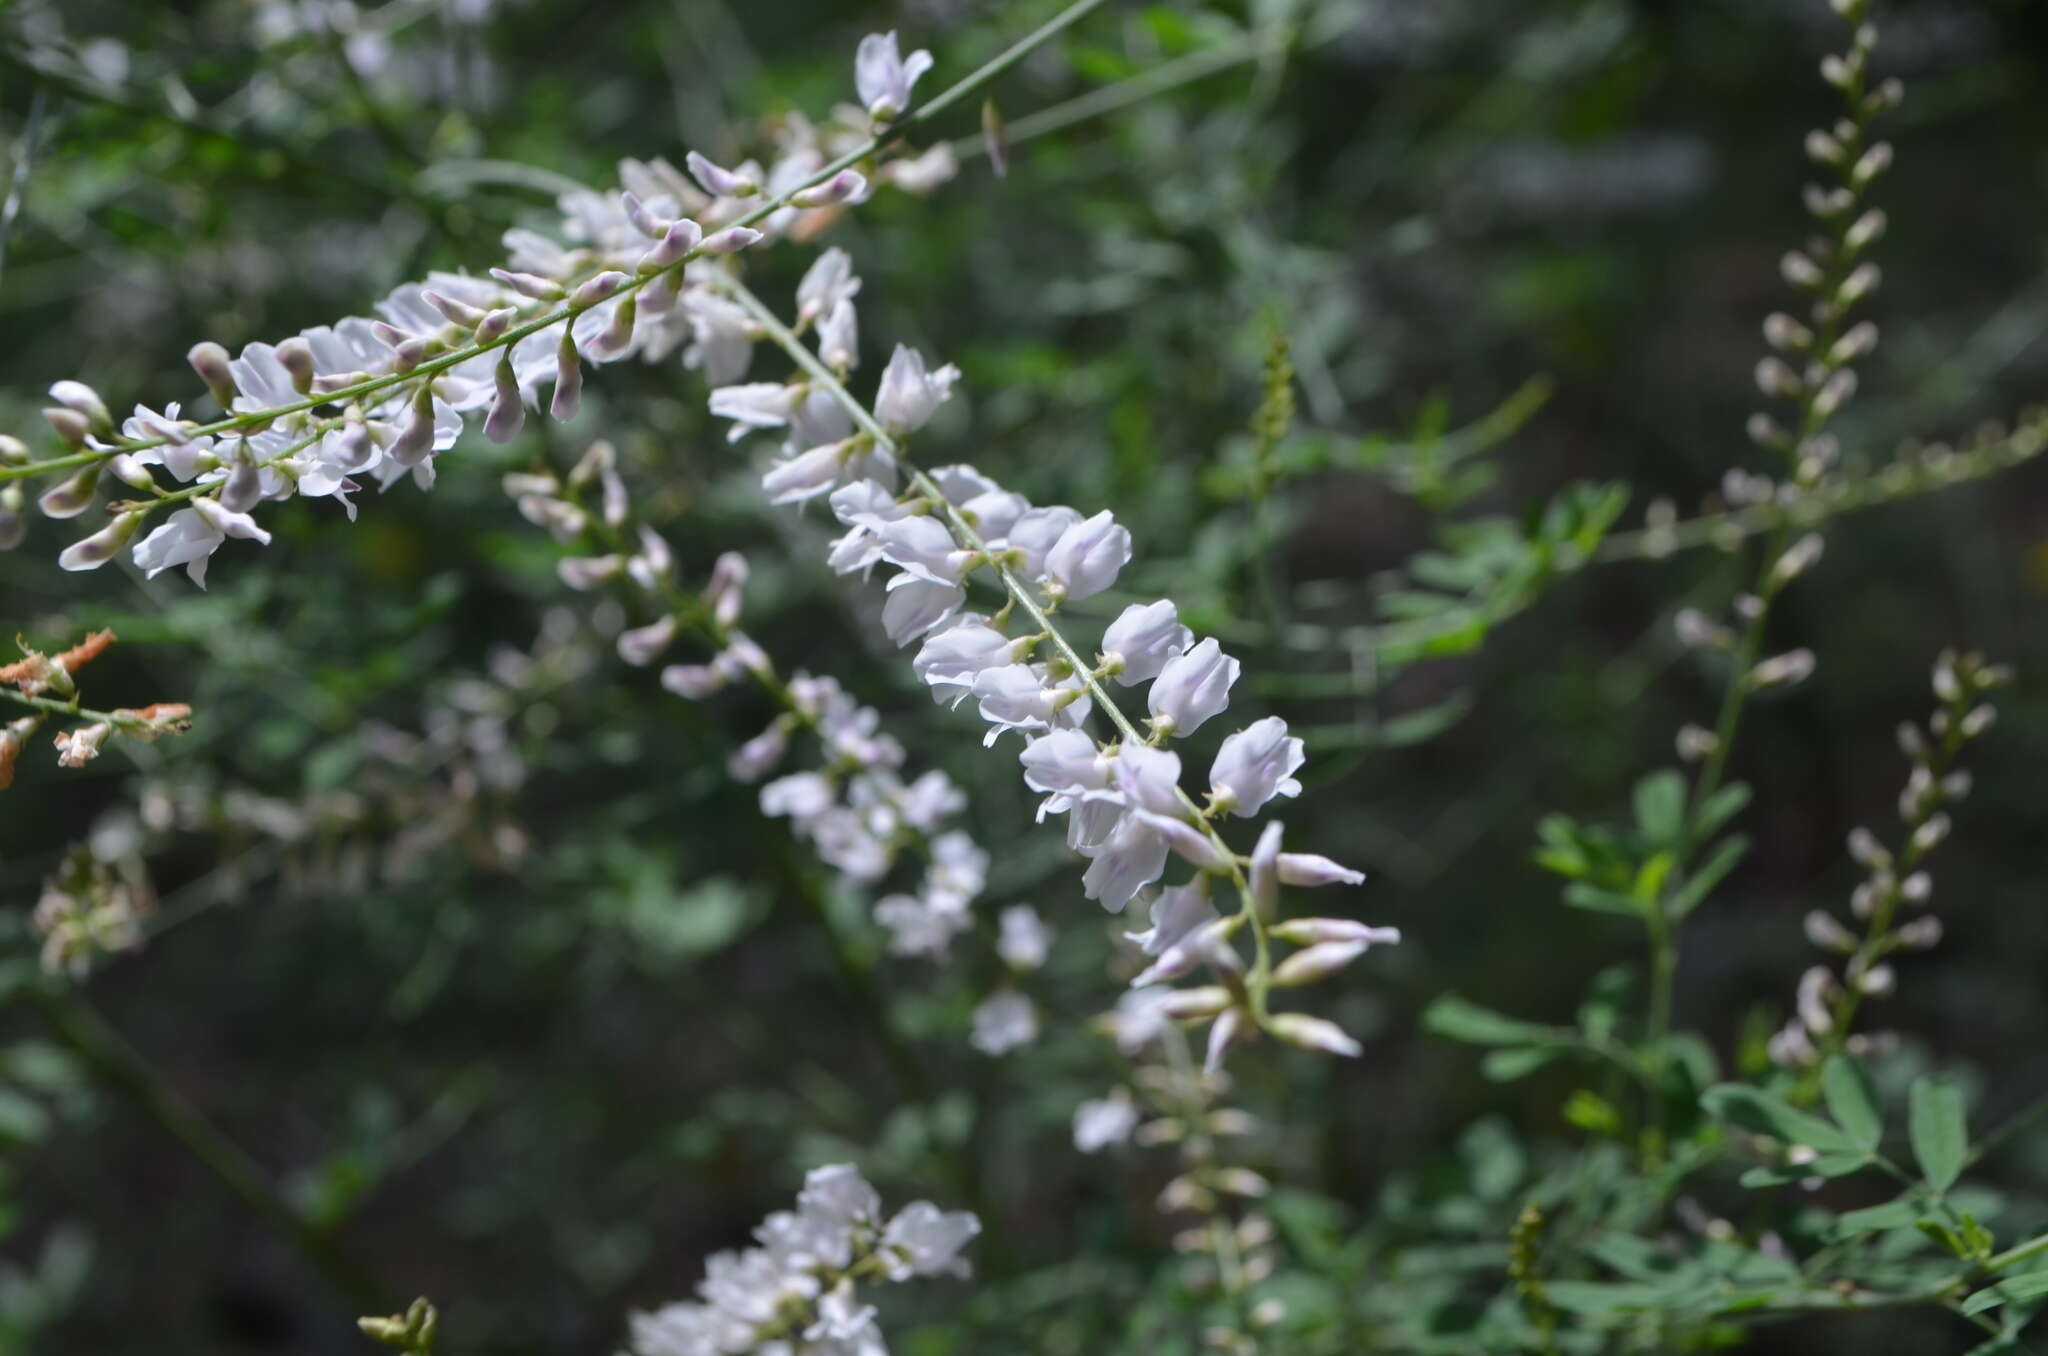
x=1754 y=1109
x=1463 y=1020
x=1941 y=1135
x=1721 y=807
x=2030 y=1286
x=1851 y=1100
x=1901 y=1214
x=1505 y=1066
x=1702 y=881
x=1583 y=896
x=1660 y=807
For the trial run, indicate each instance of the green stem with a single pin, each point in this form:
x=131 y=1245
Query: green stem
x=72 y=708
x=100 y=1046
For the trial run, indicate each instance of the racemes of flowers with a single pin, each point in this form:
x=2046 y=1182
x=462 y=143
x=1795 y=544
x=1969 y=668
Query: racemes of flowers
x=856 y=806
x=1895 y=880
x=1126 y=808
x=375 y=401
x=800 y=1290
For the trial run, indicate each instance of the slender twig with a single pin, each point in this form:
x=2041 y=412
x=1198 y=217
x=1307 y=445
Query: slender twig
x=100 y=1046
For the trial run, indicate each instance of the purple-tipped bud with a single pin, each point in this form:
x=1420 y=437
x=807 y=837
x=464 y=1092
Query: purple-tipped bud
x=355 y=446
x=675 y=245
x=643 y=644
x=458 y=312
x=495 y=324
x=71 y=426
x=329 y=382
x=508 y=411
x=297 y=357
x=1317 y=931
x=210 y=361
x=13 y=522
x=102 y=546
x=1307 y=868
x=845 y=186
x=130 y=472
x=568 y=380
x=70 y=499
x=530 y=284
x=644 y=221
x=76 y=395
x=731 y=240
x=244 y=485
x=1313 y=1033
x=410 y=354
x=585 y=573
x=1317 y=962
x=617 y=336
x=719 y=181
x=416 y=442
x=597 y=289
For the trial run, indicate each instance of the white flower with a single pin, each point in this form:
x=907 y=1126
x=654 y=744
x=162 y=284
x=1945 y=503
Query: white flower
x=909 y=394
x=1193 y=687
x=760 y=404
x=1023 y=938
x=1004 y=1021
x=918 y=929
x=828 y=281
x=1033 y=535
x=839 y=337
x=914 y=606
x=1066 y=765
x=190 y=536
x=1109 y=1120
x=924 y=1240
x=1126 y=862
x=950 y=659
x=1175 y=914
x=799 y=796
x=1142 y=639
x=1254 y=765
x=1088 y=556
x=884 y=76
x=1017 y=697
x=920 y=545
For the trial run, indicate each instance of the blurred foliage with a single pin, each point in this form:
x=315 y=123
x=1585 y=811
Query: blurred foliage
x=462 y=932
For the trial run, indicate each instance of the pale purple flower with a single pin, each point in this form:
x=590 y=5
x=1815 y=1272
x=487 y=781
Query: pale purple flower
x=884 y=76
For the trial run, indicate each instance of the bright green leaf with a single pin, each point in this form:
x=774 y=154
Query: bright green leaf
x=1941 y=1136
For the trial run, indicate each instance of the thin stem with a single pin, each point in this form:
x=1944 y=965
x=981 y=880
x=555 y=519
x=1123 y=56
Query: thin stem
x=102 y=1047
x=568 y=311
x=72 y=708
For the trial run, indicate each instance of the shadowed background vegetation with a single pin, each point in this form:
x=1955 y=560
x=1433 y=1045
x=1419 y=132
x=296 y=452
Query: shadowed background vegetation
x=468 y=940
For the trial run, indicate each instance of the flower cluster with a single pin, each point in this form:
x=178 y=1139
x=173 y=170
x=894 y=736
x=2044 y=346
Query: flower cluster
x=92 y=907
x=375 y=401
x=1894 y=881
x=856 y=807
x=1126 y=809
x=28 y=679
x=798 y=1291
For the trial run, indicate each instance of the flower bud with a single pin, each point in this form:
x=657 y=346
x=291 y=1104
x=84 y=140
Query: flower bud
x=1225 y=1033
x=13 y=451
x=1920 y=934
x=71 y=426
x=130 y=472
x=719 y=181
x=845 y=186
x=731 y=240
x=597 y=289
x=82 y=399
x=756 y=758
x=244 y=484
x=72 y=497
x=617 y=336
x=643 y=644
x=13 y=522
x=102 y=546
x=508 y=409
x=584 y=573
x=568 y=380
x=530 y=285
x=296 y=357
x=416 y=442
x=672 y=247
x=1825 y=932
x=458 y=313
x=210 y=361
x=1315 y=963
x=1313 y=1033
x=1307 y=869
